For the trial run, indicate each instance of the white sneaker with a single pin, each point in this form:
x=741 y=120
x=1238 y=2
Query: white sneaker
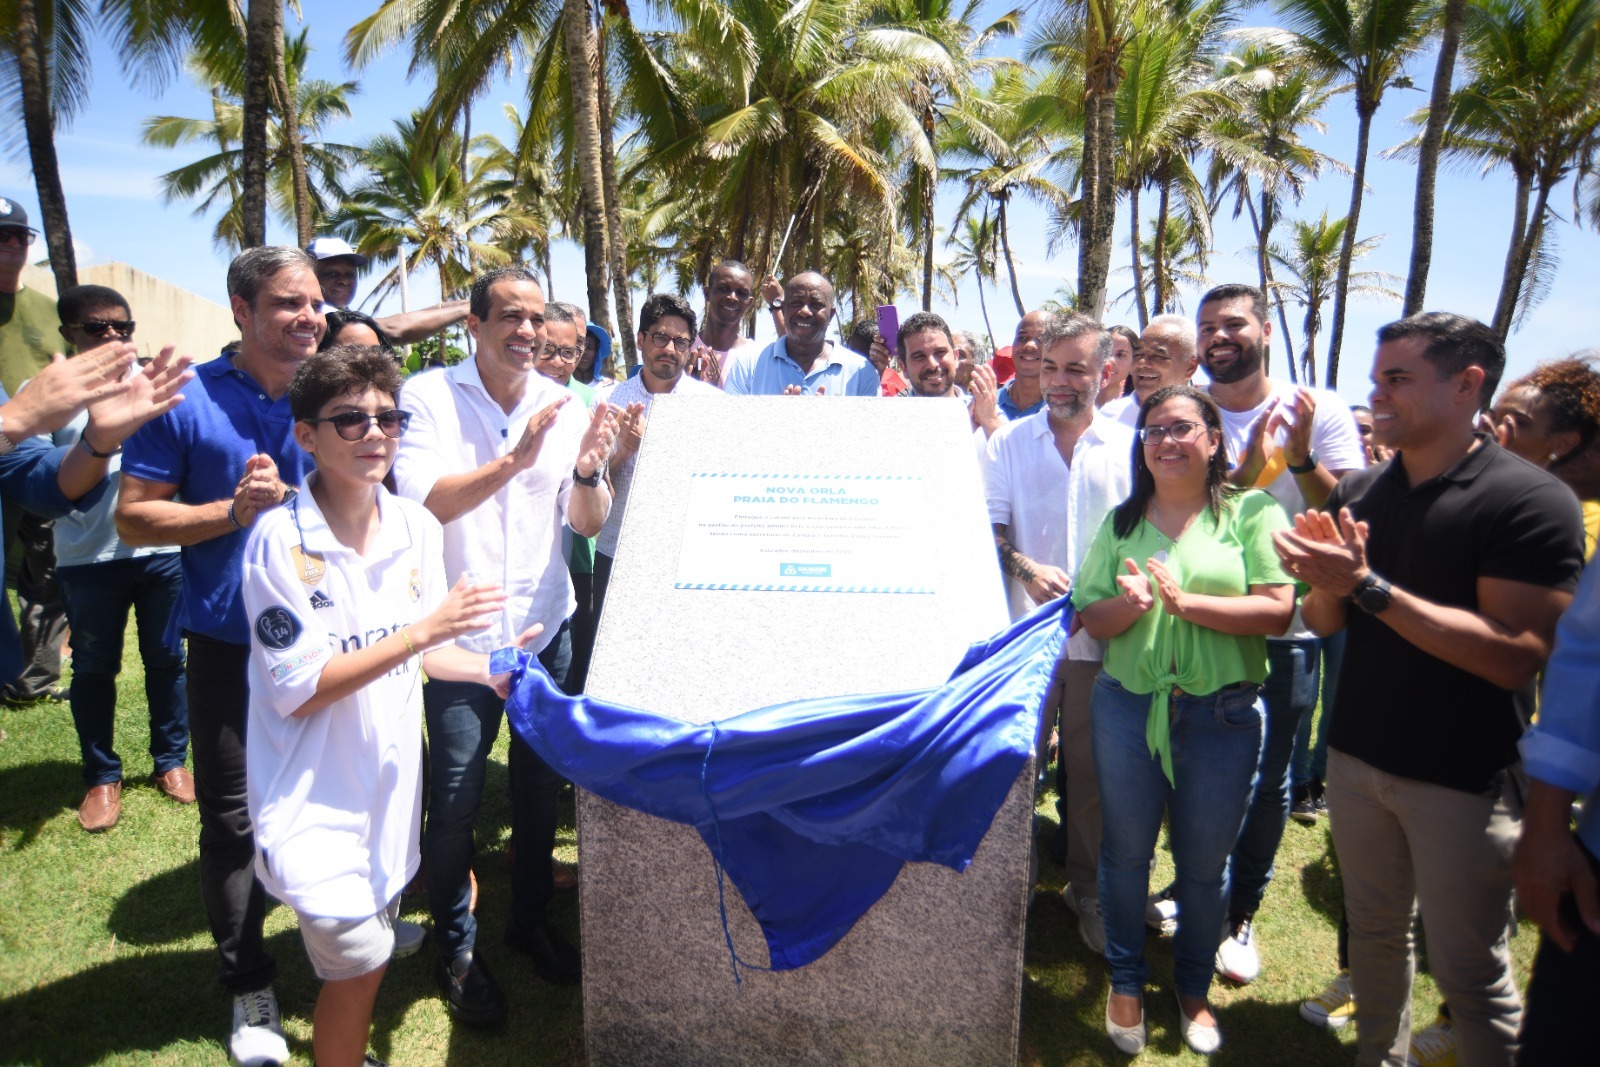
x=1161 y=912
x=1433 y=1047
x=408 y=938
x=257 y=1038
x=1237 y=959
x=1091 y=927
x=1333 y=1007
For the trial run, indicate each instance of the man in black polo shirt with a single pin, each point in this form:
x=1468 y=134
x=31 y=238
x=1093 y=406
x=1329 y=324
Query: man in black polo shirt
x=1449 y=566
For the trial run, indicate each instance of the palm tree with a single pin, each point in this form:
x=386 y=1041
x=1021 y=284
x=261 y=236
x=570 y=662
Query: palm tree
x=45 y=49
x=1451 y=21
x=1182 y=258
x=1533 y=105
x=1311 y=263
x=216 y=179
x=263 y=31
x=975 y=253
x=1366 y=41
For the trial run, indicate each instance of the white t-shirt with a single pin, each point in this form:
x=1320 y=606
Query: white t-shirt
x=633 y=391
x=336 y=797
x=514 y=538
x=1052 y=510
x=1335 y=439
x=1123 y=410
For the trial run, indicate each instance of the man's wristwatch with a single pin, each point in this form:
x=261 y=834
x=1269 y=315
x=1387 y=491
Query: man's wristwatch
x=1372 y=594
x=1307 y=467
x=591 y=480
x=775 y=305
x=289 y=493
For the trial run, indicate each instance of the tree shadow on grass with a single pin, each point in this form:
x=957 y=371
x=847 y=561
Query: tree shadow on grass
x=1256 y=1032
x=1320 y=882
x=34 y=793
x=158 y=910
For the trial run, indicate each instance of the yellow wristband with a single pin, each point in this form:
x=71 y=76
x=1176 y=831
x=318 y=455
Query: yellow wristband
x=406 y=637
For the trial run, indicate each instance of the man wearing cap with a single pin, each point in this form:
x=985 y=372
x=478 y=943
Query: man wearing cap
x=337 y=265
x=28 y=337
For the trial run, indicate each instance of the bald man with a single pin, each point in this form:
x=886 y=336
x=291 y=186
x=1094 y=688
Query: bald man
x=803 y=361
x=1166 y=356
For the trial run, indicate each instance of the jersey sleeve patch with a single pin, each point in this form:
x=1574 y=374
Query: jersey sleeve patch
x=277 y=628
x=294 y=664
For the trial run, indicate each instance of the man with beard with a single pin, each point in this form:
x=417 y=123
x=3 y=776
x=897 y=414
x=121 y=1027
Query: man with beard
x=1064 y=454
x=730 y=290
x=1165 y=356
x=1295 y=443
x=803 y=361
x=666 y=332
x=928 y=353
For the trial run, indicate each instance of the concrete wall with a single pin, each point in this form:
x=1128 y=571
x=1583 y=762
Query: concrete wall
x=165 y=313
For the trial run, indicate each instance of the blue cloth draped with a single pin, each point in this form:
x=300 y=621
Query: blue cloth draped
x=811 y=807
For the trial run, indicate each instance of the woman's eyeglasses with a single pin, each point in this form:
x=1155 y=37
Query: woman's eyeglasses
x=352 y=425
x=1179 y=432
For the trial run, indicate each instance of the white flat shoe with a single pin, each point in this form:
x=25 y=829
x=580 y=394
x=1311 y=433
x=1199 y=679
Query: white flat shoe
x=1203 y=1039
x=1128 y=1039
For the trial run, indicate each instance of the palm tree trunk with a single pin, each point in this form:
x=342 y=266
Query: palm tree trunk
x=617 y=241
x=1263 y=226
x=263 y=35
x=586 y=136
x=1312 y=321
x=289 y=115
x=930 y=187
x=1005 y=246
x=983 y=306
x=1347 y=249
x=1526 y=230
x=1099 y=214
x=1455 y=14
x=40 y=130
x=1163 y=209
x=1138 y=267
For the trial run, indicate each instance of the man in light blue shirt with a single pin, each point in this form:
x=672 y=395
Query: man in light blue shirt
x=803 y=361
x=1556 y=872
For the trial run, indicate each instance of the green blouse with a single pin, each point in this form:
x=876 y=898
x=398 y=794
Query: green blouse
x=1217 y=556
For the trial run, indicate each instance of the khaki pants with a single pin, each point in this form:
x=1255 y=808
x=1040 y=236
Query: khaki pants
x=1067 y=702
x=1404 y=843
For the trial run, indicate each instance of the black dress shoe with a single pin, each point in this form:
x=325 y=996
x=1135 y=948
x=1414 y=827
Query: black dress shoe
x=553 y=955
x=470 y=990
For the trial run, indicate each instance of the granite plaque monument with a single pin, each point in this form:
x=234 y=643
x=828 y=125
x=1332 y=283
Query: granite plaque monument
x=776 y=548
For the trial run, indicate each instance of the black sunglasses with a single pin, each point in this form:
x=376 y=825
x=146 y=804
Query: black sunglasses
x=352 y=425
x=101 y=327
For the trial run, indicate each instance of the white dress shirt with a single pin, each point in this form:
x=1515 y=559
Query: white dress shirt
x=633 y=391
x=1051 y=509
x=514 y=537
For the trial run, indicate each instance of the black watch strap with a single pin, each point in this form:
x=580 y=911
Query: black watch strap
x=1307 y=467
x=591 y=481
x=1372 y=594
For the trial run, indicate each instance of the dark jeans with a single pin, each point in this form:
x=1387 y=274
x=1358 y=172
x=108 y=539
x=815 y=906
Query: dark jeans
x=98 y=596
x=219 y=707
x=1564 y=989
x=602 y=582
x=1293 y=672
x=463 y=721
x=42 y=616
x=583 y=627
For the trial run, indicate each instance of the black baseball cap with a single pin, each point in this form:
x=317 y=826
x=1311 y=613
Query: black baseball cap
x=13 y=216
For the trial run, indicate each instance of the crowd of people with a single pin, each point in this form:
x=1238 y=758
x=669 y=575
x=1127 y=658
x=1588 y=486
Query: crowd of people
x=322 y=551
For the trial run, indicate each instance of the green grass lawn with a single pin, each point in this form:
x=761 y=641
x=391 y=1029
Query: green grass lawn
x=105 y=956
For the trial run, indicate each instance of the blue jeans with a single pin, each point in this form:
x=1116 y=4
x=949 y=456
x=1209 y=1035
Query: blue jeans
x=1312 y=762
x=1216 y=744
x=463 y=720
x=98 y=596
x=1290 y=696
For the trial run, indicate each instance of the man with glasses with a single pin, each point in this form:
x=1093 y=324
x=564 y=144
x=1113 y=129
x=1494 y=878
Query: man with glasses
x=803 y=361
x=666 y=336
x=1165 y=356
x=101 y=579
x=28 y=326
x=503 y=457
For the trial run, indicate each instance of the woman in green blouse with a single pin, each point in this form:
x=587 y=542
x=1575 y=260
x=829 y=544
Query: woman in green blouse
x=1183 y=583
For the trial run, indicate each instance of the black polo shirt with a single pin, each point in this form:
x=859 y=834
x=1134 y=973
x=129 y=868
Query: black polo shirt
x=1492 y=515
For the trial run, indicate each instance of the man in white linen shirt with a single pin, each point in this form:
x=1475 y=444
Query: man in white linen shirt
x=1067 y=454
x=503 y=457
x=1165 y=356
x=666 y=336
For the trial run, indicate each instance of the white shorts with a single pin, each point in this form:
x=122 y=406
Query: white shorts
x=349 y=948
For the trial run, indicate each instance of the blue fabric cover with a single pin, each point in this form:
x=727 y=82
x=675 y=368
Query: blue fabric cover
x=811 y=807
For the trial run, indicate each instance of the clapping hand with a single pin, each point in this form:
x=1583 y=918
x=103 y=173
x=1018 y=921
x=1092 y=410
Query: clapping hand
x=599 y=440
x=147 y=395
x=1136 y=587
x=1326 y=555
x=1167 y=587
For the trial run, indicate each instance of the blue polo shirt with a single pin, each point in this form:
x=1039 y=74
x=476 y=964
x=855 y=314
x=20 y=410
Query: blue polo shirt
x=201 y=447
x=1009 y=408
x=839 y=372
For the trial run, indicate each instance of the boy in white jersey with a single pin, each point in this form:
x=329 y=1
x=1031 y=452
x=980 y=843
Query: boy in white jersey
x=345 y=590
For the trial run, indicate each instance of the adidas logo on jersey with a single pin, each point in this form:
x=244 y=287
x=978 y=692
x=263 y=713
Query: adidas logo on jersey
x=319 y=599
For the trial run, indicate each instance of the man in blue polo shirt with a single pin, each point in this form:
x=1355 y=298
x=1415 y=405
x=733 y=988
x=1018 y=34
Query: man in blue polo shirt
x=803 y=361
x=198 y=477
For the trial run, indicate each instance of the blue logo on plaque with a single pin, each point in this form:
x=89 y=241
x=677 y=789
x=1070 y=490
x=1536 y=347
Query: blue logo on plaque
x=805 y=570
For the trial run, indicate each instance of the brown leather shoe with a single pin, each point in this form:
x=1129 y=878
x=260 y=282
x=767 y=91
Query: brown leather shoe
x=100 y=808
x=177 y=783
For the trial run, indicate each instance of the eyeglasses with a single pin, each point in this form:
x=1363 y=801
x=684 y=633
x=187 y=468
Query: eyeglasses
x=552 y=354
x=1179 y=432
x=11 y=235
x=663 y=340
x=352 y=425
x=101 y=327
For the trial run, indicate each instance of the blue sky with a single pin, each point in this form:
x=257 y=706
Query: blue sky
x=117 y=213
